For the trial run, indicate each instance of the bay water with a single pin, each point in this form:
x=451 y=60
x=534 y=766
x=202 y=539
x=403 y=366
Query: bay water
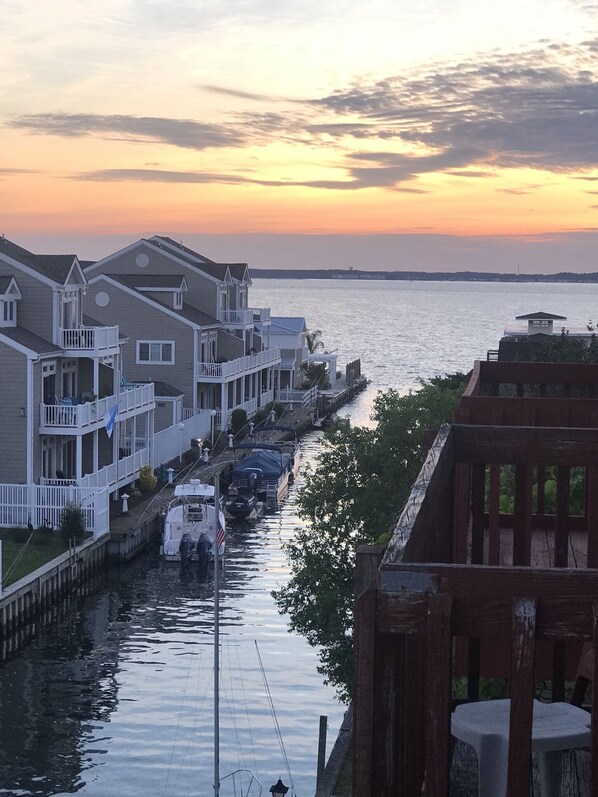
x=115 y=698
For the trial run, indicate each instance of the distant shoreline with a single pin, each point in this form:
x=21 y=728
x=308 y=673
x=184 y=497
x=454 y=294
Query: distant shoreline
x=429 y=276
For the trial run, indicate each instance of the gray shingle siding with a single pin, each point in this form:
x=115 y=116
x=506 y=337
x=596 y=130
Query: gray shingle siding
x=13 y=426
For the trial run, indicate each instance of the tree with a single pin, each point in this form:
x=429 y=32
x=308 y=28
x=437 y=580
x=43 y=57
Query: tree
x=354 y=495
x=314 y=341
x=316 y=375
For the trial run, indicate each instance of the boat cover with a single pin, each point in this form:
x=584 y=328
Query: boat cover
x=271 y=464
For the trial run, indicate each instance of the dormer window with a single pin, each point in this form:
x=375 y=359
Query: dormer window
x=9 y=296
x=9 y=313
x=177 y=300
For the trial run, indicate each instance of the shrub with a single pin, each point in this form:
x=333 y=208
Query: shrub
x=72 y=522
x=238 y=421
x=147 y=479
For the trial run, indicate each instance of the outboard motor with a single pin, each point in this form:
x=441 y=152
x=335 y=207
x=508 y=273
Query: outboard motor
x=204 y=546
x=186 y=548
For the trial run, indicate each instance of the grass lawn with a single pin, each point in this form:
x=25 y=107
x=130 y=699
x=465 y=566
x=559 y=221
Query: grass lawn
x=21 y=556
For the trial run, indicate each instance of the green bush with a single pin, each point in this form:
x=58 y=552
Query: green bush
x=72 y=522
x=238 y=421
x=147 y=479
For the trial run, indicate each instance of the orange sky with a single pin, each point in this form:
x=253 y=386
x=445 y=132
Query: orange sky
x=260 y=119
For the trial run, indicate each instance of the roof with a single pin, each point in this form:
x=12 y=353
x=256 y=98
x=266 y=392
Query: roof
x=200 y=262
x=188 y=312
x=147 y=281
x=286 y=324
x=162 y=389
x=55 y=267
x=541 y=316
x=31 y=341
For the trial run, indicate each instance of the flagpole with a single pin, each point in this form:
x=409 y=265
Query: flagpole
x=217 y=638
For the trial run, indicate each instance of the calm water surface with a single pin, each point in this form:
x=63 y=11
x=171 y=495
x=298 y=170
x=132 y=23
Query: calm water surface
x=404 y=331
x=116 y=699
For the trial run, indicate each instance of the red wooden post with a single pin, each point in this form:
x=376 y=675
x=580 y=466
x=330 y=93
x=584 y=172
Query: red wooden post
x=522 y=697
x=561 y=539
x=438 y=696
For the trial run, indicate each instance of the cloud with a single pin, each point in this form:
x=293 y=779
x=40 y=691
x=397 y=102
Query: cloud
x=185 y=133
x=537 y=110
x=242 y=95
x=8 y=172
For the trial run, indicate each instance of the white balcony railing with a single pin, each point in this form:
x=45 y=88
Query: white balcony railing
x=220 y=372
x=89 y=338
x=90 y=414
x=245 y=316
x=237 y=318
x=119 y=473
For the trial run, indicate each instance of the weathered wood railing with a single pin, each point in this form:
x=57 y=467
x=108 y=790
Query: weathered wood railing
x=409 y=616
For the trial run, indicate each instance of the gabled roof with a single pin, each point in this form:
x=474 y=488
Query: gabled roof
x=175 y=282
x=188 y=313
x=222 y=272
x=237 y=271
x=541 y=316
x=56 y=268
x=30 y=341
x=9 y=287
x=162 y=389
x=286 y=324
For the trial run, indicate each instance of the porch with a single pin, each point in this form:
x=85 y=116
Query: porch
x=69 y=417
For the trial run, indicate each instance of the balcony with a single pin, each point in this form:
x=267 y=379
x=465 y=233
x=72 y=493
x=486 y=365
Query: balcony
x=487 y=575
x=89 y=340
x=245 y=317
x=241 y=366
x=87 y=417
x=236 y=318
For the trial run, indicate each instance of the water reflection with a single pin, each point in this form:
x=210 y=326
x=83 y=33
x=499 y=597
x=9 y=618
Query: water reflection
x=116 y=697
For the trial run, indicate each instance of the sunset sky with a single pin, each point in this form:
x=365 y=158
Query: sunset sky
x=390 y=134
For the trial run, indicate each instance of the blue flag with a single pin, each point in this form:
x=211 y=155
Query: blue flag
x=110 y=419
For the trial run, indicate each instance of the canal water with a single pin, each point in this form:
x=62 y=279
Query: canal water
x=116 y=698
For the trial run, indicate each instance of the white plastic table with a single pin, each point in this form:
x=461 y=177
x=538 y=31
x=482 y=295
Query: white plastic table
x=485 y=726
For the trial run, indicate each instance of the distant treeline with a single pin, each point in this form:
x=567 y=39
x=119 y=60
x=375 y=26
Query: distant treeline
x=437 y=276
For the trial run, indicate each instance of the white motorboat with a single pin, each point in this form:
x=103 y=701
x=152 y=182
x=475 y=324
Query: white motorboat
x=192 y=517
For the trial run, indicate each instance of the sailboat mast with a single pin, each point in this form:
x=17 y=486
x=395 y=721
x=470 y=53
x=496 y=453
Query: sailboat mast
x=217 y=640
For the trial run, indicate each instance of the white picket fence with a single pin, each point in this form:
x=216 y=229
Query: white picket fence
x=42 y=505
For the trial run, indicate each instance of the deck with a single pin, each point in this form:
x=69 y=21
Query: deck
x=491 y=573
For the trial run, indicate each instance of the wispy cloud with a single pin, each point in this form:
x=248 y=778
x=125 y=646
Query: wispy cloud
x=185 y=133
x=536 y=110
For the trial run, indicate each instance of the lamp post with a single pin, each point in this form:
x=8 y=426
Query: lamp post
x=279 y=789
x=181 y=430
x=213 y=414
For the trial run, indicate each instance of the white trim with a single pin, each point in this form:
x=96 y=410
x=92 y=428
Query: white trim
x=13 y=291
x=29 y=464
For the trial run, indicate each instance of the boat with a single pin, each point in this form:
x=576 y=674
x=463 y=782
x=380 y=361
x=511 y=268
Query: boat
x=191 y=518
x=262 y=476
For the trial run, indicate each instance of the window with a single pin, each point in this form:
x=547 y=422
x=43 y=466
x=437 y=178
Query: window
x=155 y=352
x=8 y=318
x=178 y=300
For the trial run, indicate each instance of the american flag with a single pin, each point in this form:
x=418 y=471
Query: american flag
x=220 y=534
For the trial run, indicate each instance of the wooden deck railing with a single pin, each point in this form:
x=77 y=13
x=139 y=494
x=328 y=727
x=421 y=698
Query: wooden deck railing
x=471 y=586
